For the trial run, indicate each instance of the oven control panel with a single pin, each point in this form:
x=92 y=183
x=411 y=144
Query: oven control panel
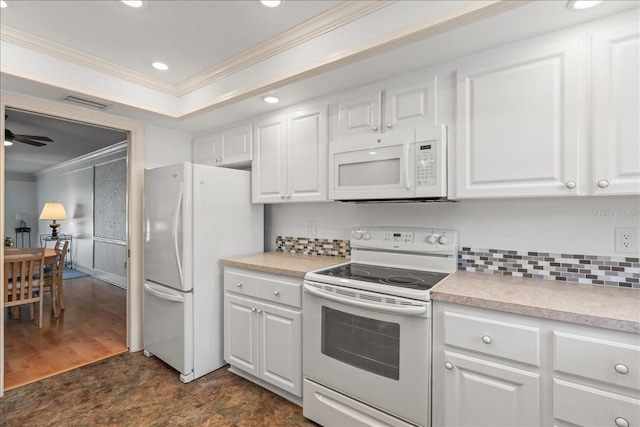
x=406 y=239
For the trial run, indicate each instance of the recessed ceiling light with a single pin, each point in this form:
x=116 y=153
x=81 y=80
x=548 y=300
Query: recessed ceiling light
x=7 y=143
x=160 y=66
x=271 y=3
x=270 y=99
x=3 y=5
x=135 y=3
x=582 y=4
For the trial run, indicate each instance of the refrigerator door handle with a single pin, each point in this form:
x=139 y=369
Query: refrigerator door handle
x=163 y=295
x=175 y=232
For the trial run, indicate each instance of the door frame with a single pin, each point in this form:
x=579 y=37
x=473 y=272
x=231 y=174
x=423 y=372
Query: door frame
x=135 y=189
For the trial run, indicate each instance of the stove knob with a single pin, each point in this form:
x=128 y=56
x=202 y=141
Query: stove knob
x=432 y=239
x=443 y=240
x=357 y=235
x=366 y=236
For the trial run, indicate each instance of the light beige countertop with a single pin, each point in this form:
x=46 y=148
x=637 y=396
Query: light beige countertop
x=594 y=305
x=295 y=265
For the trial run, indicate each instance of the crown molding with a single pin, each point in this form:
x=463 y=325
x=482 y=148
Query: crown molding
x=321 y=24
x=38 y=44
x=120 y=147
x=431 y=26
x=336 y=17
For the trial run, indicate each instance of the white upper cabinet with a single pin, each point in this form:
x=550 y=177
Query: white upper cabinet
x=616 y=99
x=382 y=111
x=307 y=155
x=268 y=170
x=290 y=158
x=517 y=122
x=230 y=146
x=360 y=114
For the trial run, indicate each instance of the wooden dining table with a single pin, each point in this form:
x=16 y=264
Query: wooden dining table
x=49 y=255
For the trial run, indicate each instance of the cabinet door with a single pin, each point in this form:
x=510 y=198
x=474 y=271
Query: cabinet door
x=307 y=155
x=205 y=149
x=411 y=106
x=616 y=101
x=268 y=173
x=241 y=333
x=281 y=348
x=517 y=122
x=234 y=145
x=481 y=393
x=360 y=114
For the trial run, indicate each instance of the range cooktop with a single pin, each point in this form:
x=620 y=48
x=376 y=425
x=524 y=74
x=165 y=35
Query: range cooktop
x=391 y=276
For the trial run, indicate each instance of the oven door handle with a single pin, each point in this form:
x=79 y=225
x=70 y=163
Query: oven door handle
x=413 y=310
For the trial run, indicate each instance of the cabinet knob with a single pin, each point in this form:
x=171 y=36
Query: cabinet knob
x=389 y=125
x=374 y=128
x=239 y=284
x=282 y=196
x=571 y=185
x=621 y=422
x=253 y=309
x=622 y=369
x=486 y=339
x=603 y=183
x=259 y=311
x=448 y=365
x=287 y=196
x=276 y=292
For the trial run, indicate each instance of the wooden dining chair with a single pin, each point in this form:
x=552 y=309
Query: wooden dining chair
x=53 y=280
x=23 y=280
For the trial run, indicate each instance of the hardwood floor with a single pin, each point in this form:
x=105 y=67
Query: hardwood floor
x=92 y=327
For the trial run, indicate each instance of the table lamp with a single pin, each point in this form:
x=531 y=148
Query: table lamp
x=53 y=211
x=21 y=216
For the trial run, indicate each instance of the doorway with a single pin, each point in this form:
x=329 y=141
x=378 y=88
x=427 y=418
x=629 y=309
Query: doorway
x=134 y=184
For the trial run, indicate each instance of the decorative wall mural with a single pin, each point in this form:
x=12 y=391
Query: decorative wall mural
x=110 y=203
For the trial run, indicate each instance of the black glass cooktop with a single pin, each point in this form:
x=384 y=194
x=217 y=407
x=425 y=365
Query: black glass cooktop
x=392 y=276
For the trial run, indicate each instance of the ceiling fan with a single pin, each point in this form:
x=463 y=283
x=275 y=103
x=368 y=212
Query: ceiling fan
x=25 y=139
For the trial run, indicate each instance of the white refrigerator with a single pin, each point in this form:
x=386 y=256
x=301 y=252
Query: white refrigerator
x=195 y=215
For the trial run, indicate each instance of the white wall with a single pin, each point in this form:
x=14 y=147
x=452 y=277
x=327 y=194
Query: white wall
x=579 y=225
x=166 y=146
x=20 y=196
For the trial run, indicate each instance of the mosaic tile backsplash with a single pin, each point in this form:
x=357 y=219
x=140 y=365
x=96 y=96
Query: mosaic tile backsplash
x=308 y=246
x=589 y=269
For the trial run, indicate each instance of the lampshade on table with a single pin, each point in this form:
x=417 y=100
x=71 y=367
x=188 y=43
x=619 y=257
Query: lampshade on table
x=53 y=211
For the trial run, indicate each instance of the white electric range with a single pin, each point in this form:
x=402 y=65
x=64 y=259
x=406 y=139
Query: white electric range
x=367 y=328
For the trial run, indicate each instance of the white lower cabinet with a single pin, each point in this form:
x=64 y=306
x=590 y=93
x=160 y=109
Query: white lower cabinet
x=263 y=339
x=492 y=368
x=478 y=392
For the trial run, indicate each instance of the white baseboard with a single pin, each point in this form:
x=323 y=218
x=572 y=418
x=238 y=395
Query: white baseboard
x=104 y=276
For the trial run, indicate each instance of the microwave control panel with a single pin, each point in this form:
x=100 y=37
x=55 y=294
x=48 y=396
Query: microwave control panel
x=426 y=161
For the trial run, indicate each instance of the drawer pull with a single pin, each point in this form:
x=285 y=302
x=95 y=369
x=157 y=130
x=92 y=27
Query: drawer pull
x=486 y=339
x=621 y=422
x=239 y=284
x=448 y=365
x=276 y=292
x=622 y=369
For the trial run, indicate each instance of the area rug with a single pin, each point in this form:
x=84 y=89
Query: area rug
x=70 y=273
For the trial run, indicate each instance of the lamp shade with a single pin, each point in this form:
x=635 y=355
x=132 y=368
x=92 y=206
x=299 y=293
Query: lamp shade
x=21 y=216
x=53 y=211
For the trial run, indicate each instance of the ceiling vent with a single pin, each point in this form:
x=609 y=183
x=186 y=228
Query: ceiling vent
x=84 y=102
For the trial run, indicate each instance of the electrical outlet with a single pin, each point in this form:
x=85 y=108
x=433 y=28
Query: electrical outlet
x=312 y=228
x=626 y=240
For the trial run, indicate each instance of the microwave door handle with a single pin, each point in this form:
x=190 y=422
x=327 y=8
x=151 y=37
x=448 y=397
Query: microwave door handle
x=406 y=167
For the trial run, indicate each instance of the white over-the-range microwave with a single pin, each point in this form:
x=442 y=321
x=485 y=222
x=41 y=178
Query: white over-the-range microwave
x=403 y=165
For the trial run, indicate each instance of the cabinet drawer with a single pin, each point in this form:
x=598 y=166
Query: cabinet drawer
x=240 y=283
x=279 y=291
x=586 y=406
x=608 y=361
x=493 y=337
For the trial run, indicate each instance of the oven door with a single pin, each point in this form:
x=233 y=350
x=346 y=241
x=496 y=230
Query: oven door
x=371 y=347
x=378 y=167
